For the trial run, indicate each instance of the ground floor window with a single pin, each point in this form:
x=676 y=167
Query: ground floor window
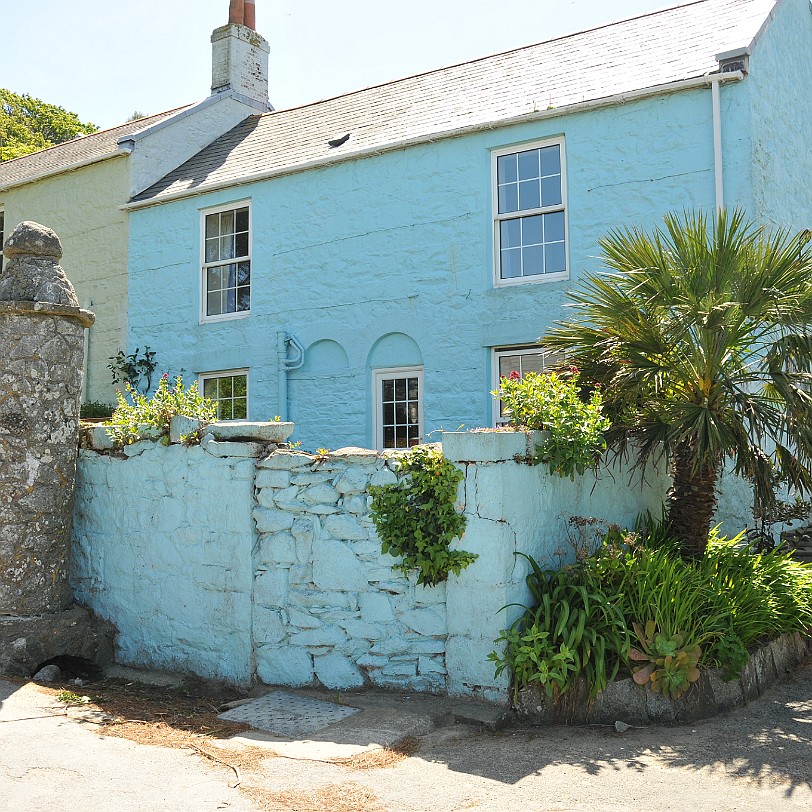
x=229 y=390
x=521 y=360
x=398 y=407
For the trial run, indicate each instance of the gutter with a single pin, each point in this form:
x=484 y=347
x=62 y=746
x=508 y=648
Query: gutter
x=714 y=80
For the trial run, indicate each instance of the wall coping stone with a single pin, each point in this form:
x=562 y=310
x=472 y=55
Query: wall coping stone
x=266 y=432
x=84 y=317
x=491 y=446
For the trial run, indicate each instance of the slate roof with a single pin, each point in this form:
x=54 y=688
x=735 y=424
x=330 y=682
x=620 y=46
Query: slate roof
x=87 y=149
x=647 y=51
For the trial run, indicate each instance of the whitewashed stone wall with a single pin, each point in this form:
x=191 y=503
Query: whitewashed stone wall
x=327 y=603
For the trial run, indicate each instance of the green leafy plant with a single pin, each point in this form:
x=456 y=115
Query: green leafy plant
x=70 y=698
x=669 y=666
x=571 y=632
x=131 y=420
x=135 y=369
x=416 y=518
x=552 y=402
x=95 y=408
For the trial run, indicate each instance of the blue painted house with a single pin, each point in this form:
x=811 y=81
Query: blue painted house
x=367 y=265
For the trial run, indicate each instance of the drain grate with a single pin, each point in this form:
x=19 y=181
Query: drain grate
x=288 y=714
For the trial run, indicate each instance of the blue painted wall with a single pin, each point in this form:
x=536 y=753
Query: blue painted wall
x=399 y=247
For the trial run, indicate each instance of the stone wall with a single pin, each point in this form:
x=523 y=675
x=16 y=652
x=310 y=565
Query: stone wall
x=232 y=562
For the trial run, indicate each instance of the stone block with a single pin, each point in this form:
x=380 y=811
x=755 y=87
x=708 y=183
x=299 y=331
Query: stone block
x=660 y=709
x=99 y=438
x=369 y=660
x=272 y=479
x=337 y=672
x=181 y=426
x=430 y=665
x=268 y=626
x=336 y=567
x=306 y=529
x=623 y=700
x=358 y=456
x=319 y=510
x=321 y=599
x=271 y=587
x=784 y=655
x=137 y=448
x=279 y=548
x=399 y=669
x=344 y=527
x=286 y=461
x=489 y=446
x=283 y=665
x=376 y=608
x=308 y=478
x=246 y=430
x=353 y=480
x=383 y=477
x=322 y=636
x=359 y=504
x=762 y=659
x=322 y=494
x=430 y=595
x=269 y=520
x=727 y=694
x=224 y=449
x=289 y=494
x=300 y=619
x=363 y=630
x=430 y=621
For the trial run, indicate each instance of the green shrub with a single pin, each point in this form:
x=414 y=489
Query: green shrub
x=710 y=611
x=130 y=420
x=95 y=408
x=416 y=518
x=552 y=402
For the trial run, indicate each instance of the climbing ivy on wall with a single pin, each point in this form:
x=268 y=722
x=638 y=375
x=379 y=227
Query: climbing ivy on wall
x=416 y=518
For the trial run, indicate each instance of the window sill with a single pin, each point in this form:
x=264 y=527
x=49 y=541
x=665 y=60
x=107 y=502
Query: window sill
x=243 y=314
x=531 y=280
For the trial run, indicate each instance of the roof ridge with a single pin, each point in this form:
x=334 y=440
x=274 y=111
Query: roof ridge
x=85 y=136
x=473 y=61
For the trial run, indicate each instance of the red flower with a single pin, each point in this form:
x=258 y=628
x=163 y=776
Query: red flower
x=574 y=370
x=165 y=376
x=514 y=376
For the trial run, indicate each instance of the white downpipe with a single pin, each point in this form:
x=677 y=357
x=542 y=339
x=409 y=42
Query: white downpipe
x=717 y=145
x=88 y=305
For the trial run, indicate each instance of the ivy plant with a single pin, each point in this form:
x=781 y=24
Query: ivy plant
x=416 y=518
x=553 y=402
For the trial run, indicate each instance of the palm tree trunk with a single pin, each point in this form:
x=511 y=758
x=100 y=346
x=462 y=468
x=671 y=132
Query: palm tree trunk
x=691 y=501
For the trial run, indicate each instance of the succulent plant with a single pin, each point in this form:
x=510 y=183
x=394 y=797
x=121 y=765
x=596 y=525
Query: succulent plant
x=668 y=665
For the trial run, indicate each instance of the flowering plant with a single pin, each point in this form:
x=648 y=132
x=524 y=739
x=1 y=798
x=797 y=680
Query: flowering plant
x=552 y=402
x=142 y=415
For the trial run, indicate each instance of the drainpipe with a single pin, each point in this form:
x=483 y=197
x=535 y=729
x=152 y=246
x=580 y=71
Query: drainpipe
x=87 y=305
x=286 y=365
x=717 y=143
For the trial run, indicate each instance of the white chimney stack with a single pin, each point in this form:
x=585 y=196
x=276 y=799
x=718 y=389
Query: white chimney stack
x=240 y=55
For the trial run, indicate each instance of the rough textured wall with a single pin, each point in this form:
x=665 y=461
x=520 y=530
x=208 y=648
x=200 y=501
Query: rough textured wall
x=163 y=544
x=83 y=208
x=402 y=243
x=781 y=118
x=326 y=600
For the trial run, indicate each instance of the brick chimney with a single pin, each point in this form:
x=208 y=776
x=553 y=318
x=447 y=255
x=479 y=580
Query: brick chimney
x=240 y=55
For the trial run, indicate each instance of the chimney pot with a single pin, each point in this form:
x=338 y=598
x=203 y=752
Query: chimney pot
x=251 y=14
x=236 y=12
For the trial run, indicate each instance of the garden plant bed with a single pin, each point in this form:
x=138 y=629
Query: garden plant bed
x=625 y=701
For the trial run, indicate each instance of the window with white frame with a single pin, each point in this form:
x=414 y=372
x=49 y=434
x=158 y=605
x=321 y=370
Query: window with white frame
x=398 y=407
x=520 y=360
x=530 y=214
x=226 y=280
x=229 y=391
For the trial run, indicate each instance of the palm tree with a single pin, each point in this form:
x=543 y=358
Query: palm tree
x=699 y=336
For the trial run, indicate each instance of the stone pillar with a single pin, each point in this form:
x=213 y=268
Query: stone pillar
x=41 y=362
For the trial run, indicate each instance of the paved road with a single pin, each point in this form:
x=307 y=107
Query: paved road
x=757 y=758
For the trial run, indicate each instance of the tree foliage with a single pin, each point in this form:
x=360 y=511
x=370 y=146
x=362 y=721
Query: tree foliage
x=28 y=125
x=700 y=337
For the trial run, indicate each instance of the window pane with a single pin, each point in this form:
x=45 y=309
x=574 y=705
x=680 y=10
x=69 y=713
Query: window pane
x=400 y=389
x=389 y=413
x=555 y=258
x=529 y=164
x=401 y=437
x=507 y=364
x=550 y=160
x=511 y=233
x=531 y=230
x=532 y=362
x=551 y=191
x=210 y=388
x=243 y=299
x=242 y=219
x=532 y=261
x=554 y=227
x=529 y=197
x=413 y=392
x=213 y=304
x=506 y=170
x=227 y=247
x=400 y=413
x=212 y=250
x=511 y=263
x=240 y=411
x=214 y=279
x=389 y=437
x=413 y=415
x=226 y=222
x=212 y=225
x=388 y=391
x=242 y=245
x=243 y=273
x=508 y=198
x=240 y=386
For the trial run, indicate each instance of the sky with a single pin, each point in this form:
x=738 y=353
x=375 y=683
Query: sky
x=106 y=60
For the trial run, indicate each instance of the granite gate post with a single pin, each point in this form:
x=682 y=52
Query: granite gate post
x=41 y=366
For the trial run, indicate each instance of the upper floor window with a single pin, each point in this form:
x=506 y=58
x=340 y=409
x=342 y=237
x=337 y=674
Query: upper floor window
x=226 y=280
x=530 y=214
